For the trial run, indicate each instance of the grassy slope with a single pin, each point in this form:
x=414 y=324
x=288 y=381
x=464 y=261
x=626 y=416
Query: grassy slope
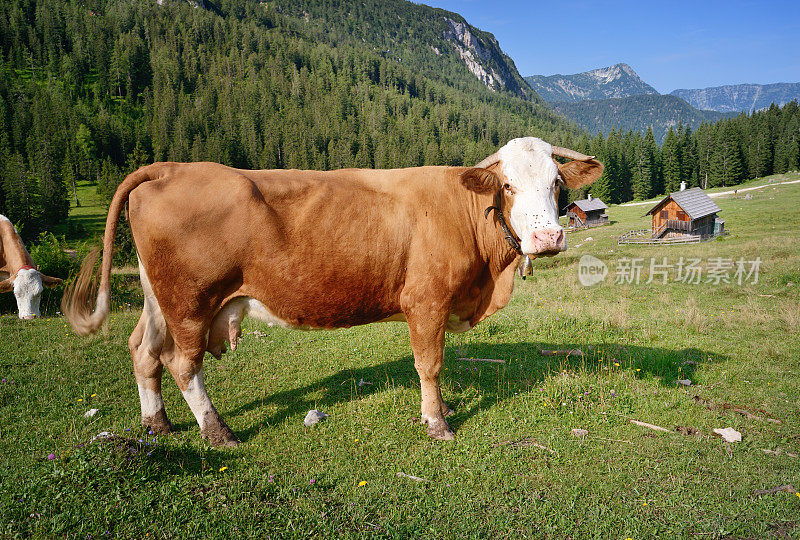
x=287 y=480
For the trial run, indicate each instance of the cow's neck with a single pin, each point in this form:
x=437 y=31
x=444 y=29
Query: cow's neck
x=495 y=249
x=13 y=254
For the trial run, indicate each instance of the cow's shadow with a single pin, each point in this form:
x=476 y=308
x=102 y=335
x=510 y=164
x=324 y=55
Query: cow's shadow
x=525 y=369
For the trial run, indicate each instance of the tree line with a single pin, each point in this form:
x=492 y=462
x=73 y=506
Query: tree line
x=725 y=153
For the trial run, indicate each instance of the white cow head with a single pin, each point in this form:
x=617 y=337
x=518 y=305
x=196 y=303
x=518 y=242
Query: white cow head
x=529 y=179
x=28 y=284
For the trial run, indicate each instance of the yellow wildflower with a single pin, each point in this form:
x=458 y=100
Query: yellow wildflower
x=221 y=469
x=362 y=483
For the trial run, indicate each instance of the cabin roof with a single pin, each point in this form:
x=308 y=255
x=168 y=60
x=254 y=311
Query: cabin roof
x=693 y=201
x=589 y=205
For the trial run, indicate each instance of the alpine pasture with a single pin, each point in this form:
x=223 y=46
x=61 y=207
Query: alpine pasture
x=515 y=469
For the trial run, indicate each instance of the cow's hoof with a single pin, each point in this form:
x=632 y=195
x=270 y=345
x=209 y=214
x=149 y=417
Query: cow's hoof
x=441 y=432
x=219 y=434
x=158 y=423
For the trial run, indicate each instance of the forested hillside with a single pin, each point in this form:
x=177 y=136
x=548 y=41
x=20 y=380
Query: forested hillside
x=637 y=113
x=432 y=42
x=91 y=90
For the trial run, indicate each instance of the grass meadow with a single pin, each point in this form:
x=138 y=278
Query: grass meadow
x=515 y=469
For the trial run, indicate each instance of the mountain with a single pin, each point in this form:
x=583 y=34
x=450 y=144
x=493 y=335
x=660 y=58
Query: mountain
x=617 y=98
x=636 y=113
x=740 y=97
x=91 y=90
x=617 y=81
x=436 y=43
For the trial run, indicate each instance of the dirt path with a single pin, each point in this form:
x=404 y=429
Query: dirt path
x=721 y=193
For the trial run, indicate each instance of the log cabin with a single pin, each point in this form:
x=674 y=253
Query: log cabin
x=589 y=212
x=688 y=212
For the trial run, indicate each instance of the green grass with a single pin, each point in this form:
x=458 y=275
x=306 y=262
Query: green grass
x=91 y=213
x=739 y=345
x=87 y=220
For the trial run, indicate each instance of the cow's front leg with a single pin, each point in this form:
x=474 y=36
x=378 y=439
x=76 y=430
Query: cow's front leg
x=427 y=340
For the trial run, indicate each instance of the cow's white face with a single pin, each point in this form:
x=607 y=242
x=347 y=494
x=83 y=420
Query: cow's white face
x=28 y=292
x=531 y=179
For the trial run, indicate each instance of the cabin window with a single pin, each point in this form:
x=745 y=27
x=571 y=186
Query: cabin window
x=681 y=215
x=664 y=214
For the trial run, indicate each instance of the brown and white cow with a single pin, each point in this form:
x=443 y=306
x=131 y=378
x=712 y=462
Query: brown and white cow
x=314 y=250
x=19 y=274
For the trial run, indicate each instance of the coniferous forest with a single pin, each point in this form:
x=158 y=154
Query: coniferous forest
x=92 y=89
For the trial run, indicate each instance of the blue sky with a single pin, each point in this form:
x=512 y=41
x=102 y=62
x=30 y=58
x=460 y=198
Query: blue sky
x=670 y=44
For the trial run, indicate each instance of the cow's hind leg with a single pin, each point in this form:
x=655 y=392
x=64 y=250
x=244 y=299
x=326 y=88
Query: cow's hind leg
x=427 y=341
x=187 y=370
x=151 y=348
x=147 y=344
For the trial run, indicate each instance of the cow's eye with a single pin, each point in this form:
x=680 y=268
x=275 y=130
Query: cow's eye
x=509 y=189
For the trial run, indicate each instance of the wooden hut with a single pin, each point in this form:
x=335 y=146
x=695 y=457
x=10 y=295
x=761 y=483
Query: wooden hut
x=689 y=212
x=589 y=212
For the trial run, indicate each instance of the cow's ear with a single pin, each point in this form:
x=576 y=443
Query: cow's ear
x=480 y=180
x=7 y=285
x=48 y=281
x=577 y=174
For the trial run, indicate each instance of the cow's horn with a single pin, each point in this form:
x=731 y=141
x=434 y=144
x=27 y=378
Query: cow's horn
x=488 y=162
x=570 y=154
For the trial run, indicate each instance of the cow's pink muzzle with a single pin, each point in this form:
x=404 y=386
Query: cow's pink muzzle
x=546 y=242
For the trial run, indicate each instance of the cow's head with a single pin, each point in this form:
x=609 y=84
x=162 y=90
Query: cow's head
x=28 y=284
x=529 y=179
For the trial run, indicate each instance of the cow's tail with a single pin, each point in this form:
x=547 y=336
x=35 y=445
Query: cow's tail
x=76 y=303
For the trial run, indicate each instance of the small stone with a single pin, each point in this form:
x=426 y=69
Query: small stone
x=314 y=417
x=685 y=382
x=90 y=413
x=729 y=434
x=578 y=432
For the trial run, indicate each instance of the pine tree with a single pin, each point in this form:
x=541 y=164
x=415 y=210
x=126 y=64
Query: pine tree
x=671 y=162
x=727 y=167
x=644 y=167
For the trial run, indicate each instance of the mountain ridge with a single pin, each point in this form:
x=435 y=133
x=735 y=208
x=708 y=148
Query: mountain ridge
x=617 y=81
x=747 y=97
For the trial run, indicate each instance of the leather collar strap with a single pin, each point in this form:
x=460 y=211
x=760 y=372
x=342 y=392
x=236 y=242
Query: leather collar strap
x=26 y=267
x=510 y=237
